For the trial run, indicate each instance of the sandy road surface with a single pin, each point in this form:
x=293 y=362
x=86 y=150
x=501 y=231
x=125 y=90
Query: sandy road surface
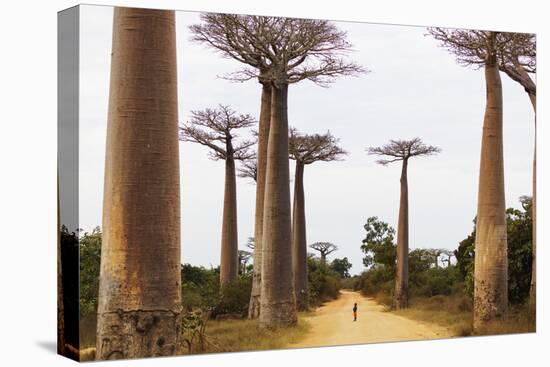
x=333 y=324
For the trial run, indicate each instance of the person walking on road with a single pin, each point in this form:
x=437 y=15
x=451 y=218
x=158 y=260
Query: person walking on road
x=355 y=312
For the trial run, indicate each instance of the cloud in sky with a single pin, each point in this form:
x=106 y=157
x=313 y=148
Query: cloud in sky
x=415 y=88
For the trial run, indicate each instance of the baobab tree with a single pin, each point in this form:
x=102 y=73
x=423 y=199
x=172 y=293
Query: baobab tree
x=324 y=249
x=277 y=52
x=305 y=150
x=230 y=35
x=436 y=253
x=449 y=254
x=518 y=59
x=139 y=301
x=484 y=49
x=402 y=151
x=216 y=130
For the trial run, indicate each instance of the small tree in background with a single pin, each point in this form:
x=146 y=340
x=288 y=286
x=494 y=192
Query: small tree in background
x=216 y=130
x=324 y=249
x=378 y=244
x=402 y=151
x=342 y=267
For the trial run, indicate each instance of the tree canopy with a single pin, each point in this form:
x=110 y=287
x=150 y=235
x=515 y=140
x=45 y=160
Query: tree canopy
x=400 y=150
x=378 y=245
x=308 y=149
x=214 y=128
x=324 y=248
x=278 y=50
x=341 y=266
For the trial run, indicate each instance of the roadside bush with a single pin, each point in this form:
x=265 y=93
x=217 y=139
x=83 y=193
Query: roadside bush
x=235 y=298
x=375 y=280
x=324 y=283
x=200 y=287
x=434 y=281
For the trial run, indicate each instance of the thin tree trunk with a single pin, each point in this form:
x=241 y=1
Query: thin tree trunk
x=299 y=244
x=140 y=287
x=263 y=135
x=230 y=242
x=533 y=288
x=524 y=79
x=402 y=275
x=491 y=260
x=278 y=304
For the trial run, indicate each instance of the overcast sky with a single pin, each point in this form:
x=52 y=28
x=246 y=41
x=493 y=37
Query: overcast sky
x=414 y=89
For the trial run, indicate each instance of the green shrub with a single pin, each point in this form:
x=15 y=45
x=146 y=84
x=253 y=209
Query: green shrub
x=235 y=297
x=323 y=283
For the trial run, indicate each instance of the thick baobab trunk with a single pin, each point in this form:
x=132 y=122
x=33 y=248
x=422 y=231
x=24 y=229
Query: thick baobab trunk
x=140 y=288
x=278 y=304
x=299 y=244
x=229 y=263
x=491 y=260
x=263 y=135
x=402 y=275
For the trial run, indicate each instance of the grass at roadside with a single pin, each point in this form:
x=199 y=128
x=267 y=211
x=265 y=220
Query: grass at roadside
x=246 y=335
x=455 y=312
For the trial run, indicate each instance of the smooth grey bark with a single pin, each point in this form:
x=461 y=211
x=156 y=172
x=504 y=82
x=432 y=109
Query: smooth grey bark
x=263 y=137
x=229 y=263
x=402 y=275
x=139 y=301
x=278 y=304
x=491 y=247
x=299 y=242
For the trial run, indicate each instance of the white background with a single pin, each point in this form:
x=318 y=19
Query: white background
x=28 y=182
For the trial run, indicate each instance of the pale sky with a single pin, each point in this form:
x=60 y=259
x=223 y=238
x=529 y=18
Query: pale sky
x=414 y=89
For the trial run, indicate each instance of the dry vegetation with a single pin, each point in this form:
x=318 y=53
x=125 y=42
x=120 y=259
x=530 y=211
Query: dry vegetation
x=245 y=335
x=455 y=312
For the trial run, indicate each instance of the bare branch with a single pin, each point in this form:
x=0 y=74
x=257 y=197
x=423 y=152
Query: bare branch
x=324 y=248
x=249 y=168
x=308 y=149
x=477 y=48
x=399 y=150
x=278 y=50
x=214 y=128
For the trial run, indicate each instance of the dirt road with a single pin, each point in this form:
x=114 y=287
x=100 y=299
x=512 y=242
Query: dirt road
x=333 y=324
